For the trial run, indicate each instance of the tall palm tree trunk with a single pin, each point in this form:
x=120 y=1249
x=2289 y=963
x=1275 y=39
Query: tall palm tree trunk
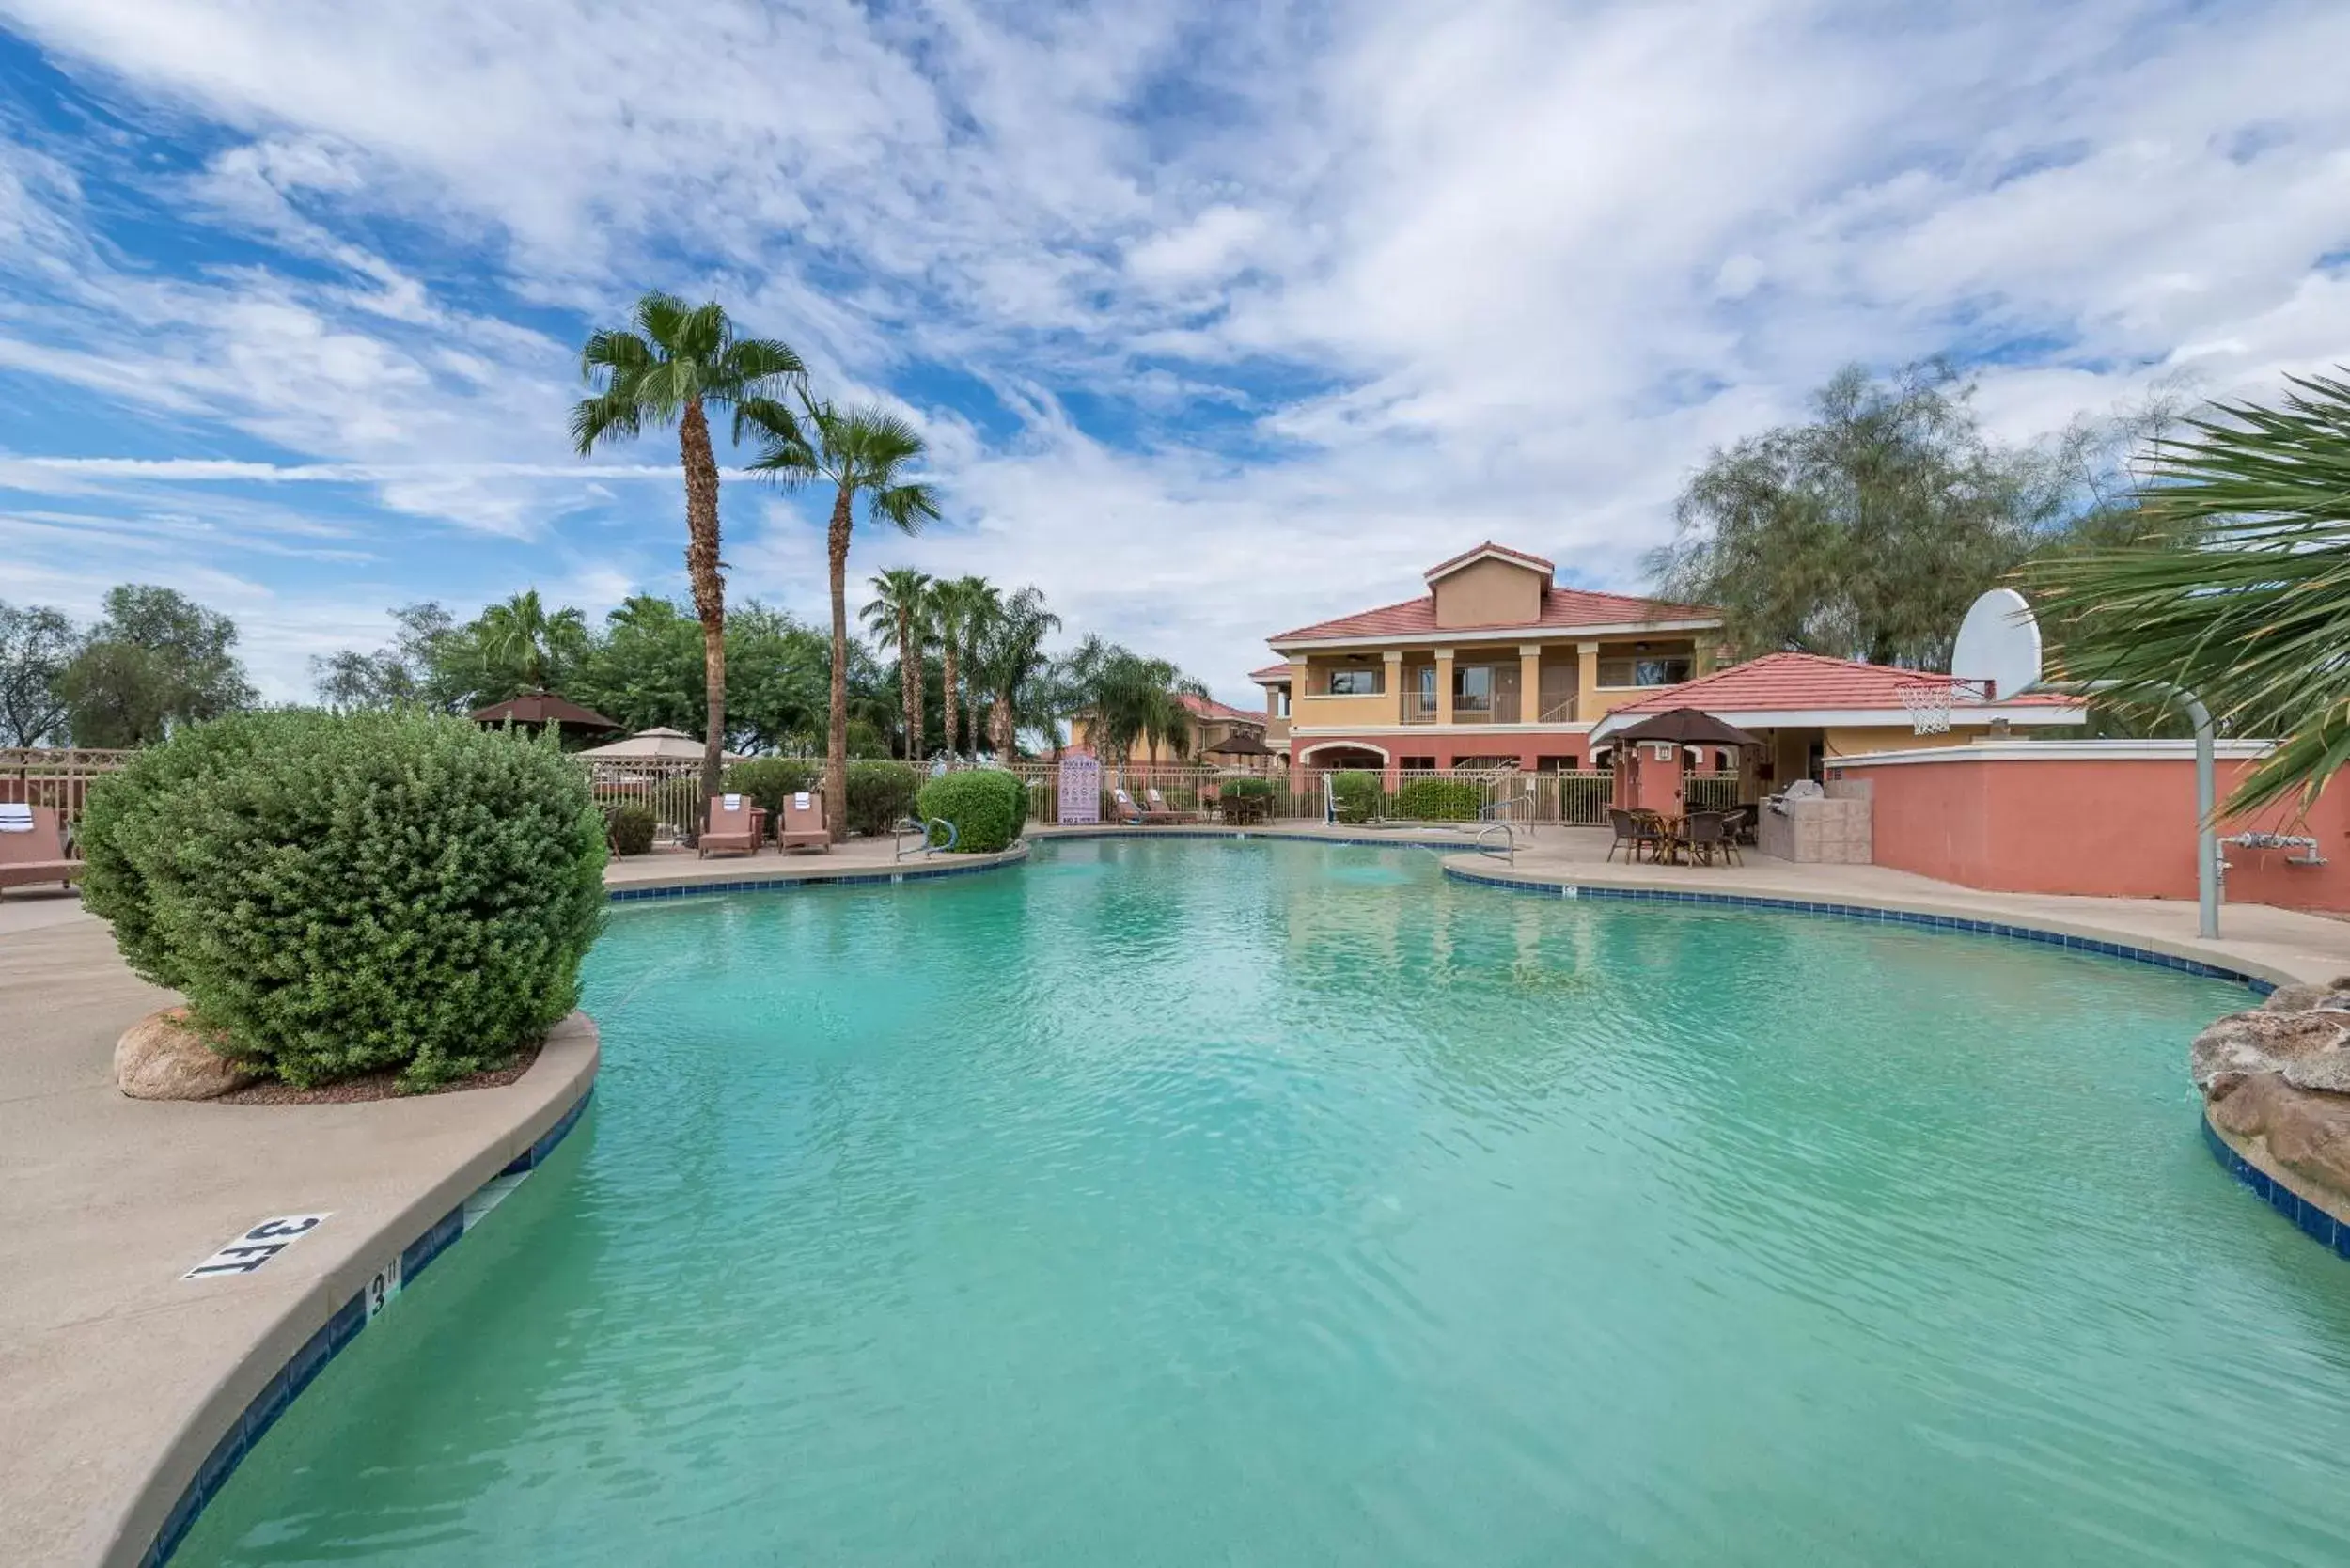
x=954 y=708
x=999 y=727
x=837 y=726
x=709 y=590
x=910 y=682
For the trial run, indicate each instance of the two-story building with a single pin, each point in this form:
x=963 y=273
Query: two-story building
x=1494 y=664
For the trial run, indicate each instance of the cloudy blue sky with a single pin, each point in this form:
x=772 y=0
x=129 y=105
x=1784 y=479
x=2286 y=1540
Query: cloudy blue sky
x=1219 y=318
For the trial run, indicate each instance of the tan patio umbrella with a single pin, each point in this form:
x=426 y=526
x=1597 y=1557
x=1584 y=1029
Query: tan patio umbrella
x=660 y=744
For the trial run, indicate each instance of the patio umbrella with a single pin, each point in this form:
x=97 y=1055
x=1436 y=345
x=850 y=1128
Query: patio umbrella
x=660 y=744
x=1684 y=726
x=1240 y=743
x=535 y=709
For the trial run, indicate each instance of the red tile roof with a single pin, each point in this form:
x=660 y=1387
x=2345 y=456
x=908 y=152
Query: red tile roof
x=1785 y=681
x=1521 y=556
x=1208 y=708
x=1563 y=609
x=1271 y=672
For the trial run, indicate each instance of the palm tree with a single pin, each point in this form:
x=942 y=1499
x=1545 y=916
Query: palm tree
x=958 y=608
x=896 y=617
x=521 y=638
x=2240 y=593
x=675 y=362
x=1008 y=656
x=862 y=451
x=1127 y=698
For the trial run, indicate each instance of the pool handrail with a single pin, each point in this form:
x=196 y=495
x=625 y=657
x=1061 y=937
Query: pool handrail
x=928 y=827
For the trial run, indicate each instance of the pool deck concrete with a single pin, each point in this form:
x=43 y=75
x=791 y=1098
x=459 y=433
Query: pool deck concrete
x=116 y=1374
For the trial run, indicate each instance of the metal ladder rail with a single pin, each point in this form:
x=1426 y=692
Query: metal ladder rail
x=928 y=827
x=1509 y=850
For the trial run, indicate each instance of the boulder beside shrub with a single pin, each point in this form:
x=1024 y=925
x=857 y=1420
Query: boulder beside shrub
x=165 y=1057
x=987 y=805
x=346 y=893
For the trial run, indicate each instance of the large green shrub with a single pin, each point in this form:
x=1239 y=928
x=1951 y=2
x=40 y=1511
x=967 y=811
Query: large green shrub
x=987 y=805
x=881 y=795
x=631 y=824
x=1356 y=794
x=1245 y=800
x=772 y=781
x=1436 y=800
x=346 y=893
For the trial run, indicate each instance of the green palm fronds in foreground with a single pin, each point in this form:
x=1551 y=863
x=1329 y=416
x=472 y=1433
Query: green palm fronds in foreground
x=2253 y=613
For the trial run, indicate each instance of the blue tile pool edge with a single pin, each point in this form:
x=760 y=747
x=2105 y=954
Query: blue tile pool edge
x=2257 y=984
x=2312 y=1221
x=344 y=1325
x=920 y=872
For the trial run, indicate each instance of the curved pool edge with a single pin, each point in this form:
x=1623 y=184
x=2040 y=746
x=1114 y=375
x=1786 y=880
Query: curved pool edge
x=1983 y=919
x=2322 y=1218
x=707 y=879
x=280 y=1360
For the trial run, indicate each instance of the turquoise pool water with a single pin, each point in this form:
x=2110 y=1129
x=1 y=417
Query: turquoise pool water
x=1261 y=1203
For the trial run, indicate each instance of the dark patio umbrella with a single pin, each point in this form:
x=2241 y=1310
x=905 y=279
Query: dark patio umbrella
x=1240 y=743
x=1686 y=727
x=535 y=709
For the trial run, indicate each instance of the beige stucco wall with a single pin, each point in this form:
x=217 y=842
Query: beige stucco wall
x=1895 y=736
x=1308 y=713
x=1489 y=593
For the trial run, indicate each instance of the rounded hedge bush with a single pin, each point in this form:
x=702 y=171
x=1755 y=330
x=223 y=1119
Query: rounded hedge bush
x=1355 y=794
x=1436 y=800
x=987 y=805
x=881 y=795
x=346 y=893
x=632 y=824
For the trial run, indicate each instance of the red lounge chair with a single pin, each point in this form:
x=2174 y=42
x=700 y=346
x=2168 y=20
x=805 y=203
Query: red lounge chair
x=1128 y=812
x=803 y=823
x=31 y=849
x=735 y=828
x=1156 y=808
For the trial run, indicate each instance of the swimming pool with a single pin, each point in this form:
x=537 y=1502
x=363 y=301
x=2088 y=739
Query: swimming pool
x=1277 y=1203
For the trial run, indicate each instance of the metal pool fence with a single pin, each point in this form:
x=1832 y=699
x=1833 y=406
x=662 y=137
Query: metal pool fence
x=58 y=776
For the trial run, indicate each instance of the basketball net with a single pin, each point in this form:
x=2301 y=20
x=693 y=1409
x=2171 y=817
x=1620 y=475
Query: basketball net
x=1929 y=701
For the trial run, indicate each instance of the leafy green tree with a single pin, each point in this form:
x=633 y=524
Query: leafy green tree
x=1007 y=660
x=786 y=667
x=868 y=454
x=2238 y=590
x=896 y=616
x=35 y=644
x=673 y=364
x=155 y=660
x=646 y=672
x=1864 y=532
x=409 y=673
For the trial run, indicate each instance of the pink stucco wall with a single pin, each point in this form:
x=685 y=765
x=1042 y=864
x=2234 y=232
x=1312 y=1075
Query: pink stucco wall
x=2116 y=827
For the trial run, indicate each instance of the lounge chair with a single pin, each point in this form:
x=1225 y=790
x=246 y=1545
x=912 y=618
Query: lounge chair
x=734 y=826
x=1128 y=812
x=31 y=849
x=1156 y=808
x=803 y=823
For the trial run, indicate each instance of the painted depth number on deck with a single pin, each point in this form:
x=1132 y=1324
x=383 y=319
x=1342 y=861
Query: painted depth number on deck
x=257 y=1246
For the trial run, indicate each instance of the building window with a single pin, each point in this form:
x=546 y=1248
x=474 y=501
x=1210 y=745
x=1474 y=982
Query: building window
x=1354 y=682
x=1425 y=679
x=1472 y=688
x=1668 y=671
x=1280 y=696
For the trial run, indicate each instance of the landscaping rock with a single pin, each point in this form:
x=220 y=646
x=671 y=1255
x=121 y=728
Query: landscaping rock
x=2245 y=1044
x=2295 y=999
x=162 y=1057
x=2306 y=1131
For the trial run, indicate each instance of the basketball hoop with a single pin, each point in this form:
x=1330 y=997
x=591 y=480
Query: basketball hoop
x=1929 y=701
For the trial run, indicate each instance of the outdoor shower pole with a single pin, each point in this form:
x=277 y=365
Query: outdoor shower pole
x=2206 y=798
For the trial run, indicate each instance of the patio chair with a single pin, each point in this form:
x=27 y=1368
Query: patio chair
x=31 y=849
x=1156 y=808
x=1634 y=831
x=734 y=826
x=803 y=825
x=1130 y=813
x=1703 y=834
x=1737 y=827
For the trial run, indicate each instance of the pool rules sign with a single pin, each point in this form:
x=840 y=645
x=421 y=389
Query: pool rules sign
x=1080 y=788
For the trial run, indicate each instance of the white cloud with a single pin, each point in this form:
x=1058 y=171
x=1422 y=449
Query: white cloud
x=1219 y=322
